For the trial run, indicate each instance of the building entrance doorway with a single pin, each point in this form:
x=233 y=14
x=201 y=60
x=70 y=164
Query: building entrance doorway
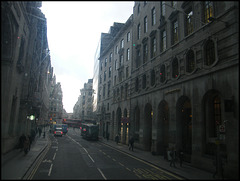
x=147 y=132
x=184 y=127
x=163 y=127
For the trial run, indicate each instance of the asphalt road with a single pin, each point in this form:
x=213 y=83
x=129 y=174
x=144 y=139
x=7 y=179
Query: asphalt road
x=72 y=157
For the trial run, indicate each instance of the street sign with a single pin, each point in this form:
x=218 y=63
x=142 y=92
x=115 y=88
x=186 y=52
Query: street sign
x=222 y=128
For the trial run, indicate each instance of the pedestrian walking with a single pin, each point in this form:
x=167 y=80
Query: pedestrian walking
x=30 y=142
x=181 y=156
x=131 y=143
x=39 y=131
x=107 y=136
x=26 y=145
x=117 y=139
x=21 y=141
x=172 y=157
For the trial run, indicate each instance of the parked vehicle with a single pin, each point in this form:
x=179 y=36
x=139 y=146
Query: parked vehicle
x=65 y=128
x=90 y=131
x=58 y=131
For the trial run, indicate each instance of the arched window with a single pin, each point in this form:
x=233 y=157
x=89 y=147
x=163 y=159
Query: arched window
x=208 y=11
x=209 y=53
x=175 y=68
x=153 y=77
x=190 y=62
x=216 y=115
x=162 y=74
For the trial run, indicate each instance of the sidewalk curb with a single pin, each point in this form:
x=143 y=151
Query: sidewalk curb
x=34 y=163
x=144 y=160
x=163 y=165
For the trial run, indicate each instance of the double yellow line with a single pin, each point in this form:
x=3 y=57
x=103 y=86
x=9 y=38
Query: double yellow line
x=164 y=171
x=39 y=161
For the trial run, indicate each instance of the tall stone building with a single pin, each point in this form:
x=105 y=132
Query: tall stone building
x=114 y=74
x=83 y=109
x=25 y=63
x=182 y=90
x=55 y=101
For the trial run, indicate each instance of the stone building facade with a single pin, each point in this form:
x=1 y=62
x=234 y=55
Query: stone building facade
x=25 y=70
x=83 y=109
x=114 y=80
x=55 y=101
x=183 y=86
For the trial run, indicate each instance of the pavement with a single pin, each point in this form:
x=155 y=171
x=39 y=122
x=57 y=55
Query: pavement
x=17 y=165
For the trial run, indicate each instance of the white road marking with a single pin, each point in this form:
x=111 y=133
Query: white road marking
x=91 y=158
x=50 y=170
x=54 y=156
x=102 y=174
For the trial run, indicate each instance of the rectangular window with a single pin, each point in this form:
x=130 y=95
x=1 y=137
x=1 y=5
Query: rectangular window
x=163 y=41
x=139 y=31
x=121 y=61
x=115 y=64
x=128 y=37
x=122 y=43
x=139 y=8
x=208 y=11
x=128 y=54
x=105 y=75
x=104 y=87
x=153 y=47
x=189 y=23
x=105 y=62
x=110 y=72
x=175 y=31
x=127 y=73
x=110 y=58
x=163 y=8
x=174 y=4
x=153 y=16
x=145 y=24
x=116 y=50
x=145 y=53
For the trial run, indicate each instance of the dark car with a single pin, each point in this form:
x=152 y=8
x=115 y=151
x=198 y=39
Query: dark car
x=58 y=131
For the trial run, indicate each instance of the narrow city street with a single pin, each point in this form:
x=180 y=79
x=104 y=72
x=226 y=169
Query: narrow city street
x=72 y=157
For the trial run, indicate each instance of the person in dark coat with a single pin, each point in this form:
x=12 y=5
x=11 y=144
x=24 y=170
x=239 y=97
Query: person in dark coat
x=107 y=136
x=180 y=157
x=40 y=132
x=173 y=157
x=131 y=143
x=21 y=141
x=117 y=139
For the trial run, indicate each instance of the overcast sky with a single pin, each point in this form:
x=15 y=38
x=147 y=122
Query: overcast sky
x=74 y=29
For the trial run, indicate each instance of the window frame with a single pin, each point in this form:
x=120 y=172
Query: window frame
x=163 y=77
x=175 y=68
x=145 y=53
x=145 y=24
x=153 y=16
x=163 y=39
x=193 y=61
x=175 y=33
x=153 y=46
x=139 y=31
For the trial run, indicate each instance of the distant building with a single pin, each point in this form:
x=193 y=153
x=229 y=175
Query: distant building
x=55 y=100
x=83 y=108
